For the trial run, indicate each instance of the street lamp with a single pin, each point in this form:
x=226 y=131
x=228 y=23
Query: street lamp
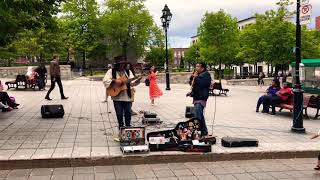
x=297 y=91
x=165 y=19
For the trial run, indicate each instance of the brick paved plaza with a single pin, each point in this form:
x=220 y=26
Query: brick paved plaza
x=87 y=131
x=290 y=169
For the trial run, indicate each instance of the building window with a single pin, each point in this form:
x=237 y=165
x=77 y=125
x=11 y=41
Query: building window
x=175 y=54
x=179 y=54
x=182 y=53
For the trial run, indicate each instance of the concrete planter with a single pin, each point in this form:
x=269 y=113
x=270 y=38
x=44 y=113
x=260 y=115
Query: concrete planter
x=12 y=72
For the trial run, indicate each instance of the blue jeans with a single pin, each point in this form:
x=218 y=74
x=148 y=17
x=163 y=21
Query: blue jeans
x=199 y=114
x=260 y=101
x=123 y=108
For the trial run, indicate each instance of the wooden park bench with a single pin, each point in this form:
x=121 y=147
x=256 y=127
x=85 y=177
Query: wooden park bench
x=314 y=102
x=21 y=81
x=217 y=87
x=289 y=104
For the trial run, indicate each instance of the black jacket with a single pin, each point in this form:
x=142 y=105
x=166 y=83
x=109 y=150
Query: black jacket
x=201 y=86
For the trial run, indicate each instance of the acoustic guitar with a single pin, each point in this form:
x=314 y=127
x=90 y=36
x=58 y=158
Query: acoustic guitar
x=115 y=89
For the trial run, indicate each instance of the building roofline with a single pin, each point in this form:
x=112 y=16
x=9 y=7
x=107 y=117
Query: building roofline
x=252 y=17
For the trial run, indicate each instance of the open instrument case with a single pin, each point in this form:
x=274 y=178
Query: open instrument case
x=186 y=136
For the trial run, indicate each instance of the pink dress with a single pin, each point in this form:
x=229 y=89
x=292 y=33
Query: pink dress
x=154 y=90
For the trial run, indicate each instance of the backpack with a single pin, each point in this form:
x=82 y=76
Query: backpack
x=147 y=82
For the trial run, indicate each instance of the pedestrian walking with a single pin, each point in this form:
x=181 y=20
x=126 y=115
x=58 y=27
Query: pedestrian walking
x=318 y=165
x=260 y=79
x=55 y=78
x=154 y=90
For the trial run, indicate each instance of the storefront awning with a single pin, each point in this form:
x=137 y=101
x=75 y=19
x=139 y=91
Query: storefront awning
x=309 y=63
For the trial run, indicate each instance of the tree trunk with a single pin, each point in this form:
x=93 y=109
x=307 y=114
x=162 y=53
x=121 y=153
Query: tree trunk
x=220 y=74
x=83 y=59
x=271 y=68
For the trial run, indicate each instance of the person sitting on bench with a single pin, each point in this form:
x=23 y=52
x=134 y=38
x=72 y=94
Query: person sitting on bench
x=271 y=91
x=7 y=104
x=281 y=96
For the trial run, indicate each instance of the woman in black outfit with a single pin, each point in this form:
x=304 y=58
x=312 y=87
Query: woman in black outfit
x=8 y=103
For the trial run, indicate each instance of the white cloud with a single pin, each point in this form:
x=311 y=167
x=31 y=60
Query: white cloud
x=187 y=14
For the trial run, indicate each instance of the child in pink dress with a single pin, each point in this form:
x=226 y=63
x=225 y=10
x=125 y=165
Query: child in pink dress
x=154 y=90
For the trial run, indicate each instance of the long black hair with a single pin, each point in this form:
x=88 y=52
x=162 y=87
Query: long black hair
x=130 y=68
x=155 y=69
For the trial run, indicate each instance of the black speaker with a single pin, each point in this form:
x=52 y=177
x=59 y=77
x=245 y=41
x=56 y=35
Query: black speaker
x=190 y=112
x=150 y=115
x=52 y=111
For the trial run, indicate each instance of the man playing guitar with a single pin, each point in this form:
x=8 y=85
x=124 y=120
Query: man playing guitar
x=119 y=83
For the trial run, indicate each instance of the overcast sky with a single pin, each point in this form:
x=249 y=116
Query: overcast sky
x=187 y=14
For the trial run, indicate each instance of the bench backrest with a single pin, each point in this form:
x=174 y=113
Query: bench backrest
x=306 y=100
x=21 y=78
x=217 y=86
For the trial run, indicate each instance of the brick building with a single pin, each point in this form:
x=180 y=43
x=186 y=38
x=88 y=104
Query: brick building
x=318 y=23
x=178 y=54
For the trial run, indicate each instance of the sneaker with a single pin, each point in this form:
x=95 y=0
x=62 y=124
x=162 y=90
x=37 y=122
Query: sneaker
x=257 y=110
x=317 y=168
x=47 y=98
x=64 y=98
x=273 y=113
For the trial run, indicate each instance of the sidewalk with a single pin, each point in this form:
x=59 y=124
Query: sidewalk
x=292 y=169
x=85 y=135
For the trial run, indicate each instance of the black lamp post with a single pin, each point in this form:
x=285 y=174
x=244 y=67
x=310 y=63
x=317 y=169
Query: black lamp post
x=297 y=91
x=165 y=19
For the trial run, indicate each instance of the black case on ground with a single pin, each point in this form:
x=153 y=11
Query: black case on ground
x=150 y=115
x=190 y=112
x=52 y=111
x=178 y=144
x=239 y=142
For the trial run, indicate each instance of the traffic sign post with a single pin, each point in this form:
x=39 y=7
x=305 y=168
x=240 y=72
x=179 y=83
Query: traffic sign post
x=305 y=14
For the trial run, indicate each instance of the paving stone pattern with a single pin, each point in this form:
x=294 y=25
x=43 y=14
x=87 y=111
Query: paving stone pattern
x=88 y=130
x=294 y=169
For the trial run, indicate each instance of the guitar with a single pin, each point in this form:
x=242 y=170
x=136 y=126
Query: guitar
x=115 y=89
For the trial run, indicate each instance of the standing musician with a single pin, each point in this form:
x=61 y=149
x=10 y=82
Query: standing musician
x=201 y=80
x=120 y=76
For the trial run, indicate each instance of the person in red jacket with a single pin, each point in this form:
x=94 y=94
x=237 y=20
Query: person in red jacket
x=154 y=90
x=281 y=96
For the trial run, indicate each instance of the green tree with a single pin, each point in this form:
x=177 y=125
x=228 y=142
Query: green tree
x=128 y=26
x=310 y=43
x=192 y=55
x=157 y=56
x=16 y=16
x=271 y=39
x=81 y=20
x=219 y=34
x=40 y=43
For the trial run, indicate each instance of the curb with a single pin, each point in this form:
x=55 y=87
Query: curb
x=152 y=159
